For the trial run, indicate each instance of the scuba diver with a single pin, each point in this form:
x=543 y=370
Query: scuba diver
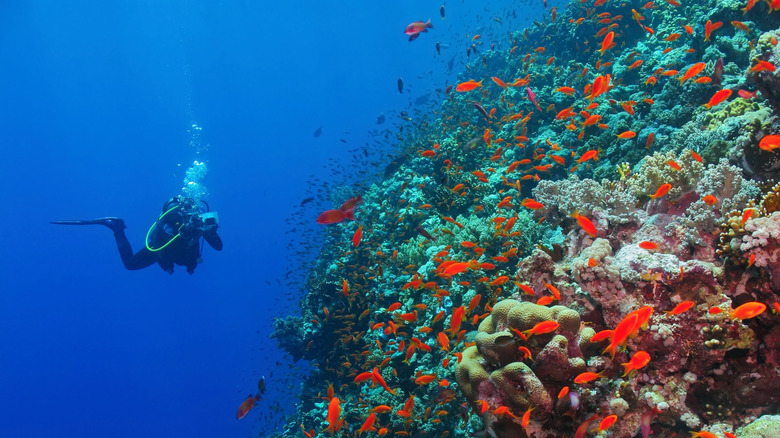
x=174 y=238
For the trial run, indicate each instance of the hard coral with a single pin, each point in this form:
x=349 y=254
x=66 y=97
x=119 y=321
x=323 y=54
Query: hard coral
x=496 y=372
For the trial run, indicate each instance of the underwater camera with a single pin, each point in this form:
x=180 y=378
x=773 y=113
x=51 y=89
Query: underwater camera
x=205 y=221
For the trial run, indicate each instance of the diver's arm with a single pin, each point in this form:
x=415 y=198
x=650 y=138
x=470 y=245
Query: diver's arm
x=213 y=239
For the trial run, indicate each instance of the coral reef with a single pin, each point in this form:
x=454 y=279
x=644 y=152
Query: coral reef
x=613 y=192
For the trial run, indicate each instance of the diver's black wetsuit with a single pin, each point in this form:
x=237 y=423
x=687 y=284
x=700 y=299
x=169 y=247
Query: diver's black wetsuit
x=175 y=238
x=183 y=252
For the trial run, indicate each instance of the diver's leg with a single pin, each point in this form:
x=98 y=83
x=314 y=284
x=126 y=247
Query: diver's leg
x=132 y=262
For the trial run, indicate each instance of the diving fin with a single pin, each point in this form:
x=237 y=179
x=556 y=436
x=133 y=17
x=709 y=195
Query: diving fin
x=113 y=223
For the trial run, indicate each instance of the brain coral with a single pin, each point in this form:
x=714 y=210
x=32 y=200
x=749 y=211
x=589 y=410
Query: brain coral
x=494 y=371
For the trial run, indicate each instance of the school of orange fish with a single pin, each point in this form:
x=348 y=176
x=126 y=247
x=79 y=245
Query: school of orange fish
x=387 y=316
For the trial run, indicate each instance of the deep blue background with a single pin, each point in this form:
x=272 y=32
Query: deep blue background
x=95 y=105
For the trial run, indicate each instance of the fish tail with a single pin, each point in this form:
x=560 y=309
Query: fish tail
x=428 y=24
x=350 y=214
x=610 y=349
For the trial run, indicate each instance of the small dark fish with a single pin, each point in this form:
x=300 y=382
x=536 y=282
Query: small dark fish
x=318 y=132
x=481 y=110
x=395 y=165
x=342 y=140
x=424 y=233
x=261 y=385
x=718 y=74
x=400 y=85
x=441 y=11
x=438 y=48
x=306 y=201
x=445 y=395
x=380 y=119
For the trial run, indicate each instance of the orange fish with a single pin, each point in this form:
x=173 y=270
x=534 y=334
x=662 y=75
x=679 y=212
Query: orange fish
x=565 y=90
x=586 y=224
x=746 y=215
x=425 y=379
x=638 y=360
x=748 y=310
x=334 y=415
x=543 y=301
x=247 y=406
x=444 y=341
x=646 y=244
x=769 y=142
x=582 y=430
x=455 y=268
x=710 y=200
x=643 y=316
x=741 y=26
x=673 y=164
x=368 y=426
x=607 y=43
x=610 y=420
x=531 y=204
x=553 y=290
x=526 y=418
x=703 y=434
x=628 y=106
x=709 y=27
x=650 y=140
x=747 y=94
x=468 y=86
x=620 y=336
x=563 y=392
x=377 y=378
x=626 y=135
x=542 y=328
x=662 y=191
x=718 y=97
x=457 y=319
x=498 y=82
x=503 y=410
x=680 y=308
x=588 y=377
x=358 y=235
x=692 y=71
x=601 y=336
x=594 y=154
x=381 y=409
x=763 y=66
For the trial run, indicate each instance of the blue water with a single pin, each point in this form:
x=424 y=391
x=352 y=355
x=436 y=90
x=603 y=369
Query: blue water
x=98 y=103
